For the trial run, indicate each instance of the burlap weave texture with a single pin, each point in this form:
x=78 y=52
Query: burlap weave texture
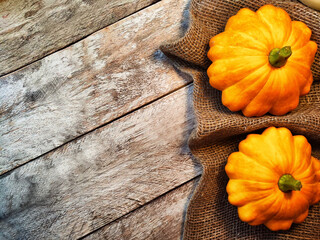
x=219 y=130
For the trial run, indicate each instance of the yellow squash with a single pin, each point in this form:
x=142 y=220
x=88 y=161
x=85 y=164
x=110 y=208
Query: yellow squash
x=273 y=179
x=261 y=62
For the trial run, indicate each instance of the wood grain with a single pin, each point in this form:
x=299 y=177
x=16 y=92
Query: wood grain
x=112 y=72
x=32 y=29
x=101 y=176
x=163 y=218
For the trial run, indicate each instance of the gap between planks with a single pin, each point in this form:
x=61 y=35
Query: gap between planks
x=183 y=187
x=49 y=51
x=4 y=174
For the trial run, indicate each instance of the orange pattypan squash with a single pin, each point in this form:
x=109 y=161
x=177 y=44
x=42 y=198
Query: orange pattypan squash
x=261 y=62
x=273 y=179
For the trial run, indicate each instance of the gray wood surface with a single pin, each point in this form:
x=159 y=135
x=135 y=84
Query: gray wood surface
x=31 y=29
x=94 y=81
x=163 y=218
x=101 y=176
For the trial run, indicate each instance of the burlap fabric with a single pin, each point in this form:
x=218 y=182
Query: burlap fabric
x=219 y=131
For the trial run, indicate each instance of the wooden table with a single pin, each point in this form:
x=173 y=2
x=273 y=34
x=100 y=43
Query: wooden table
x=94 y=120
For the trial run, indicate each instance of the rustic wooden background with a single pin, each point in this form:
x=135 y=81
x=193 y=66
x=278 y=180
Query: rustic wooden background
x=94 y=120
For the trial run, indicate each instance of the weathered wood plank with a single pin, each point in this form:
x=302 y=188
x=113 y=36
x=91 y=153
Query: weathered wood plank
x=163 y=218
x=92 y=82
x=101 y=176
x=32 y=29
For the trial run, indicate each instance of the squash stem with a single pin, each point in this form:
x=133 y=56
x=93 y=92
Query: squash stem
x=278 y=57
x=288 y=183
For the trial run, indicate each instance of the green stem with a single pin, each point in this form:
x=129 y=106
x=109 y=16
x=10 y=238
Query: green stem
x=278 y=57
x=288 y=183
